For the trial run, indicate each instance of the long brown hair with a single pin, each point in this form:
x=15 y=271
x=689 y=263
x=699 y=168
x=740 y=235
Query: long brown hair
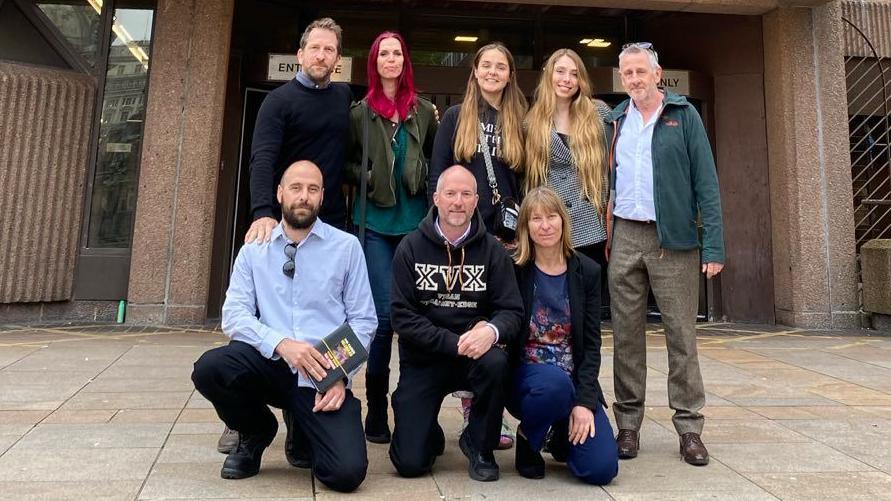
x=546 y=200
x=510 y=115
x=586 y=142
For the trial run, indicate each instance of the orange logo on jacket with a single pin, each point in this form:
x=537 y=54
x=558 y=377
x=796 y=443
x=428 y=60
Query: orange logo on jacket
x=670 y=122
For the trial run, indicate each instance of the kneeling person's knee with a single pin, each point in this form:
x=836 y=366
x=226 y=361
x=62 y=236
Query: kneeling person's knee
x=346 y=476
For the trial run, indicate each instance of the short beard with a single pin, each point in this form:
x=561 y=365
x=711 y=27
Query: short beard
x=324 y=80
x=300 y=223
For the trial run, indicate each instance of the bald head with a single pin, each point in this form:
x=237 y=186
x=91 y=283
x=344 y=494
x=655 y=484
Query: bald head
x=301 y=168
x=300 y=194
x=455 y=170
x=455 y=198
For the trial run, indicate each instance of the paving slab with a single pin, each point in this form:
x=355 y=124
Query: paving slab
x=774 y=458
x=21 y=464
x=79 y=417
x=863 y=486
x=22 y=417
x=95 y=436
x=145 y=416
x=672 y=475
x=109 y=412
x=277 y=479
x=116 y=490
x=143 y=400
x=558 y=484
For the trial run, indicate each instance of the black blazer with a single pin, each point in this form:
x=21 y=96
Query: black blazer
x=584 y=302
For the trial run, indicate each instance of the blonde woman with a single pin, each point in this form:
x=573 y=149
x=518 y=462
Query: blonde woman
x=566 y=149
x=486 y=128
x=555 y=362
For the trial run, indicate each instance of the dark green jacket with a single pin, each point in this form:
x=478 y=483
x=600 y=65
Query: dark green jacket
x=685 y=181
x=421 y=125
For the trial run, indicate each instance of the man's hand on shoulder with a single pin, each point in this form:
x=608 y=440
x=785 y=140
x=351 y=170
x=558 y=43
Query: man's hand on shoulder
x=332 y=399
x=260 y=230
x=711 y=270
x=477 y=341
x=303 y=357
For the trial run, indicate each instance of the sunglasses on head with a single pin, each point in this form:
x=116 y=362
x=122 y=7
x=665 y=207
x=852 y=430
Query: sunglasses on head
x=288 y=267
x=643 y=46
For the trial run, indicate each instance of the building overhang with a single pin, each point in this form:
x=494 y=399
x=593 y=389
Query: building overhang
x=740 y=7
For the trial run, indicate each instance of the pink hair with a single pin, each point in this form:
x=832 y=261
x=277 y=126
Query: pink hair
x=405 y=87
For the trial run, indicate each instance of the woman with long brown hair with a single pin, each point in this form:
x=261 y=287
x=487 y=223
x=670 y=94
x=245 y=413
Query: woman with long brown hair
x=489 y=122
x=485 y=134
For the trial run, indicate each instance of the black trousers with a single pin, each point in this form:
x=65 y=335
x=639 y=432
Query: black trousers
x=418 y=399
x=597 y=252
x=241 y=384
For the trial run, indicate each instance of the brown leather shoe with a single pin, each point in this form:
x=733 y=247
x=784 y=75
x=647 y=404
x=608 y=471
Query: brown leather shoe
x=628 y=442
x=693 y=450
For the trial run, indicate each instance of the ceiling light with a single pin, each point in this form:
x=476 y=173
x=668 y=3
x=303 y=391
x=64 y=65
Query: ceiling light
x=464 y=38
x=599 y=43
x=586 y=41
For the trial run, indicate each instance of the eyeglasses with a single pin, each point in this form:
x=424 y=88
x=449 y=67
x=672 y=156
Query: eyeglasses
x=288 y=267
x=643 y=46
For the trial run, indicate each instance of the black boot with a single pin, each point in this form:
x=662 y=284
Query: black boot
x=376 y=428
x=528 y=461
x=244 y=461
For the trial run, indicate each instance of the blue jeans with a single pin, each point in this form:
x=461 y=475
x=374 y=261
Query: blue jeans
x=379 y=251
x=543 y=395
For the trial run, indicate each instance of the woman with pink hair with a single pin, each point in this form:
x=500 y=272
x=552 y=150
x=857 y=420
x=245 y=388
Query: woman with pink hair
x=392 y=133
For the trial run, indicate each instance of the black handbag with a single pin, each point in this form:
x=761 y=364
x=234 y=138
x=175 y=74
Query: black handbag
x=507 y=210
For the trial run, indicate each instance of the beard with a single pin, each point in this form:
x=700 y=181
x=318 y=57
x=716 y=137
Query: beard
x=319 y=74
x=300 y=222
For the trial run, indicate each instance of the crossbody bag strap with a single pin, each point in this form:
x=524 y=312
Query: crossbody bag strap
x=363 y=176
x=490 y=171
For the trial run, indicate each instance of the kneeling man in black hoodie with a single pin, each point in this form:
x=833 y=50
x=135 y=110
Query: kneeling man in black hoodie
x=454 y=299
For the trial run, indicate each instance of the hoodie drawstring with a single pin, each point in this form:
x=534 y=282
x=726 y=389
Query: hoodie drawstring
x=450 y=284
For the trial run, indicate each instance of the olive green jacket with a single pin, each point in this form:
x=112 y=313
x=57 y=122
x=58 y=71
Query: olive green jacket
x=421 y=126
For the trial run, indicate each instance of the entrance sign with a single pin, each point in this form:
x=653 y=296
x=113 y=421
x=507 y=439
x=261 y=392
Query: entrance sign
x=283 y=67
x=673 y=80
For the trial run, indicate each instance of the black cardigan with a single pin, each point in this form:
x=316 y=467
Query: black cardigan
x=584 y=302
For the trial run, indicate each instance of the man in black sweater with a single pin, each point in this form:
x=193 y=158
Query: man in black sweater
x=454 y=297
x=306 y=118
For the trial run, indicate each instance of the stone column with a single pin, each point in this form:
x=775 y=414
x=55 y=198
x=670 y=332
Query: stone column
x=814 y=261
x=173 y=235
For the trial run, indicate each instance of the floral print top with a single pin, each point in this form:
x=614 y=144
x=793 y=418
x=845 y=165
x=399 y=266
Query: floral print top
x=550 y=325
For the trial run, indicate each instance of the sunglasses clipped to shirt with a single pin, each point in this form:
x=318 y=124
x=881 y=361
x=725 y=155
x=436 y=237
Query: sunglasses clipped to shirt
x=288 y=267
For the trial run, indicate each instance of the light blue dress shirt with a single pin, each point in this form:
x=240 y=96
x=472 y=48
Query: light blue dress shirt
x=634 y=167
x=330 y=287
x=304 y=80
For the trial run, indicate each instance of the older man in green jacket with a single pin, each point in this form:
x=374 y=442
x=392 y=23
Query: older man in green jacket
x=664 y=183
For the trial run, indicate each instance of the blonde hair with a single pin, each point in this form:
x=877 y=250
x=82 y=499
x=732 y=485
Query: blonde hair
x=510 y=115
x=544 y=199
x=586 y=142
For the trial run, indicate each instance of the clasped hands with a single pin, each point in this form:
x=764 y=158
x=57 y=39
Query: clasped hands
x=477 y=341
x=311 y=363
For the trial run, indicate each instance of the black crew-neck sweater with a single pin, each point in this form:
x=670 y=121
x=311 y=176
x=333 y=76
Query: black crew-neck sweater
x=299 y=123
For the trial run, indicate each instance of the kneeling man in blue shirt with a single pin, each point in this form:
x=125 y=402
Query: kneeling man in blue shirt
x=285 y=295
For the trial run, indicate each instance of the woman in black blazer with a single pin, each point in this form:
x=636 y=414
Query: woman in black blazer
x=556 y=361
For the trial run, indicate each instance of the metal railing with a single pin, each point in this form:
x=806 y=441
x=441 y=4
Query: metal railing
x=868 y=80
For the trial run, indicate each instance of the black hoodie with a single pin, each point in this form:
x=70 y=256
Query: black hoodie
x=440 y=291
